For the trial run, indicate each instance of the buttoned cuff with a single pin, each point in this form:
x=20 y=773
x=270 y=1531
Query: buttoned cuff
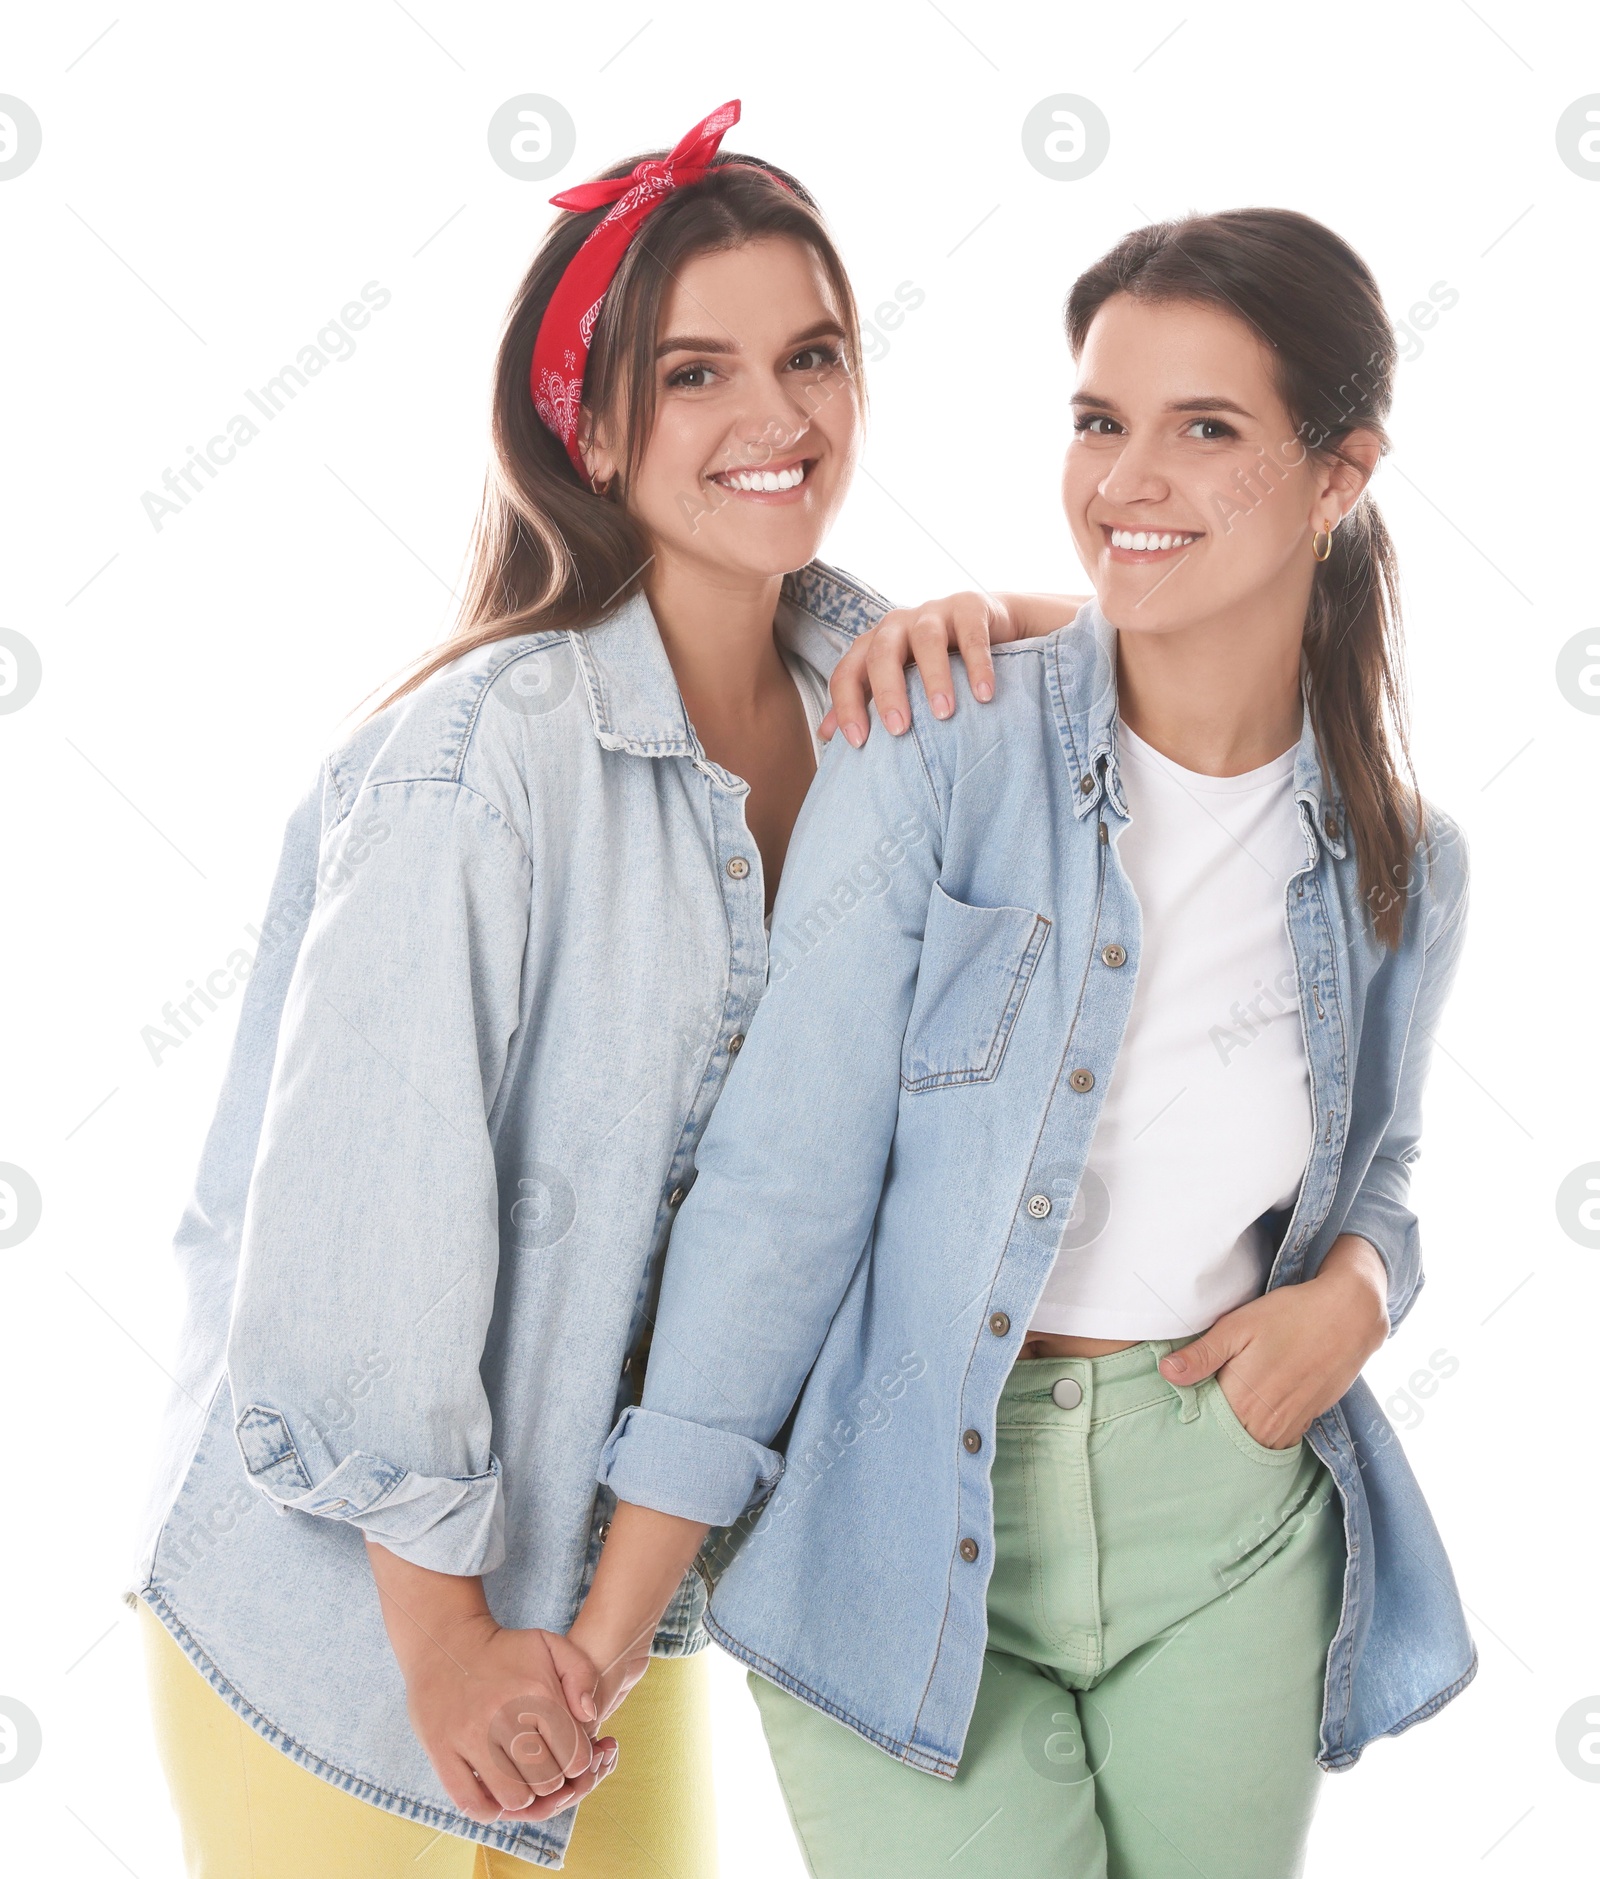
x=686 y=1468
x=448 y=1523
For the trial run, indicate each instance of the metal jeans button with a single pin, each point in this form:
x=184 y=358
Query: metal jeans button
x=1066 y=1393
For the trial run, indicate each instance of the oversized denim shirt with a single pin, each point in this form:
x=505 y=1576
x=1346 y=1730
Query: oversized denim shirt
x=515 y=939
x=880 y=1197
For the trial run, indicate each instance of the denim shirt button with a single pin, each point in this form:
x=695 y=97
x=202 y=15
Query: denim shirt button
x=1114 y=955
x=999 y=1324
x=968 y=1550
x=1086 y=783
x=972 y=1441
x=736 y=1043
x=1082 y=1080
x=1039 y=1205
x=738 y=867
x=675 y=1197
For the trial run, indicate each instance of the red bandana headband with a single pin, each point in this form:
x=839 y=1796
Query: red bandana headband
x=561 y=350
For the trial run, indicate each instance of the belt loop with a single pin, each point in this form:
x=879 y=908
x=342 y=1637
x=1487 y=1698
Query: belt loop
x=1187 y=1393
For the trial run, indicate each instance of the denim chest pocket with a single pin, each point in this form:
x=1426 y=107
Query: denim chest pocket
x=976 y=966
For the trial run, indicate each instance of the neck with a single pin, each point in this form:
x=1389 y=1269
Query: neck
x=1219 y=697
x=717 y=631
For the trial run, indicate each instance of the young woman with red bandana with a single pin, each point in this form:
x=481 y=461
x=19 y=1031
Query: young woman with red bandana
x=516 y=937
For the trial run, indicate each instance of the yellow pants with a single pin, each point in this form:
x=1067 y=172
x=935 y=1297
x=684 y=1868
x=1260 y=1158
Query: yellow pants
x=249 y=1812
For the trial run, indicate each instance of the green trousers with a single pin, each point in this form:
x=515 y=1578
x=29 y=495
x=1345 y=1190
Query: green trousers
x=1164 y=1593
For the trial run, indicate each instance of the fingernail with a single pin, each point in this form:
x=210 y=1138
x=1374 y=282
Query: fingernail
x=894 y=720
x=942 y=705
x=586 y=1708
x=855 y=735
x=984 y=690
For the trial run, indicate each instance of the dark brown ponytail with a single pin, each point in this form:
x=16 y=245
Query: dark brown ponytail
x=1312 y=299
x=547 y=551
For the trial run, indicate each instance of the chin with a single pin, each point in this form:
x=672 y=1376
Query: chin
x=774 y=551
x=1124 y=609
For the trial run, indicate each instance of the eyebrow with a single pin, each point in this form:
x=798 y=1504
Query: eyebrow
x=694 y=342
x=1178 y=405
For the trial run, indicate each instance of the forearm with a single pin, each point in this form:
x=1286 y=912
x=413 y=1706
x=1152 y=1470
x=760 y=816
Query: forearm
x=1033 y=614
x=425 y=1611
x=641 y=1565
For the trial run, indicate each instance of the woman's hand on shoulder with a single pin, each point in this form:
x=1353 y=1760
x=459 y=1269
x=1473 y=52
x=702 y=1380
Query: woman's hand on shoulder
x=968 y=623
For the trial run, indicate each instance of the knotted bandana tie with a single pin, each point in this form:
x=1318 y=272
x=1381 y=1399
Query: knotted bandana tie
x=561 y=350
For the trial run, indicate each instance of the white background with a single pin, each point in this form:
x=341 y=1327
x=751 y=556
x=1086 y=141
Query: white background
x=216 y=182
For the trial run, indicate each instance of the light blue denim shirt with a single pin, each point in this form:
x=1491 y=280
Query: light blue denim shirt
x=882 y=1191
x=514 y=943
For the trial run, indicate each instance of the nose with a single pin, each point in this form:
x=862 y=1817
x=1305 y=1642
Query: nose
x=1135 y=476
x=771 y=426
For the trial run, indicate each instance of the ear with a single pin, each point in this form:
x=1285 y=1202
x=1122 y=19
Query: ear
x=1343 y=482
x=598 y=457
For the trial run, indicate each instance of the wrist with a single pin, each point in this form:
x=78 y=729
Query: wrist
x=1354 y=1276
x=433 y=1647
x=605 y=1630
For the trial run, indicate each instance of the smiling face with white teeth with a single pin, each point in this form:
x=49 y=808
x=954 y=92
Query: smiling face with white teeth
x=758 y=417
x=1190 y=497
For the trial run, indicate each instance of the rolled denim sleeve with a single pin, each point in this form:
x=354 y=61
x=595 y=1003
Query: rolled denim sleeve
x=791 y=1168
x=687 y=1468
x=1380 y=1212
x=370 y=1247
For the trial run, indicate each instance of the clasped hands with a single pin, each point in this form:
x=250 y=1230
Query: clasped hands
x=509 y=1718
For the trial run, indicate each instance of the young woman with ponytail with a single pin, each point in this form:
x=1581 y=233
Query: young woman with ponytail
x=1012 y=1337
x=515 y=941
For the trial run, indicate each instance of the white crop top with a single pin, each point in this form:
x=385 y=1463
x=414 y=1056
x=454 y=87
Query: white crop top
x=1206 y=1124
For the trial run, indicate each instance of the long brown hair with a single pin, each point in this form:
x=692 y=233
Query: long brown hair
x=547 y=550
x=1313 y=300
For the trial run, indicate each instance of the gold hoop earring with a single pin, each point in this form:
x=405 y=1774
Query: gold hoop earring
x=1327 y=535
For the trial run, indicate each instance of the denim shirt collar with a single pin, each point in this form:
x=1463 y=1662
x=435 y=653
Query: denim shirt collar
x=1083 y=690
x=633 y=694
